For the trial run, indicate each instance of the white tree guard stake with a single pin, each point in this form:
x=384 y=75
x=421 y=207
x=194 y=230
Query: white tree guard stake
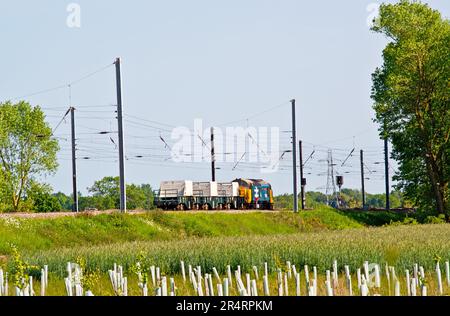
x=125 y=287
x=254 y=291
x=388 y=277
x=216 y=274
x=358 y=276
x=364 y=289
x=199 y=289
x=31 y=286
x=172 y=287
x=219 y=289
x=413 y=287
x=158 y=275
x=347 y=271
x=314 y=282
x=42 y=283
x=1 y=283
x=194 y=282
x=394 y=276
x=266 y=269
x=199 y=275
x=366 y=269
x=6 y=288
x=416 y=271
x=377 y=276
x=241 y=287
x=89 y=293
x=439 y=279
x=311 y=291
x=297 y=284
x=211 y=286
x=294 y=270
x=226 y=291
x=289 y=269
x=447 y=272
x=307 y=277
x=78 y=290
x=408 y=283
x=266 y=285
x=328 y=274
x=206 y=284
x=286 y=284
x=280 y=289
x=46 y=276
x=422 y=272
x=183 y=271
x=230 y=280
x=255 y=271
x=424 y=290
x=397 y=288
x=144 y=289
x=164 y=286
x=247 y=280
x=349 y=285
x=190 y=272
x=330 y=281
x=239 y=271
x=329 y=288
x=153 y=274
x=335 y=273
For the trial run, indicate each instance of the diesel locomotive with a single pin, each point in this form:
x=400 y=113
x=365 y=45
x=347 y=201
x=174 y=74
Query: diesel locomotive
x=240 y=194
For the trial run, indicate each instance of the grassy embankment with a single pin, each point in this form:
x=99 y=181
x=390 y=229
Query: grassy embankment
x=84 y=230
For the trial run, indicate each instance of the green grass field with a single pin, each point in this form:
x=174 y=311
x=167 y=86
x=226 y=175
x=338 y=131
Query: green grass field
x=399 y=246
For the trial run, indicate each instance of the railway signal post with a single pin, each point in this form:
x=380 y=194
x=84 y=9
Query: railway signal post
x=302 y=179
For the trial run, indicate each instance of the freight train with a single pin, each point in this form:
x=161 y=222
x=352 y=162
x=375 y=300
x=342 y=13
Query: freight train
x=240 y=194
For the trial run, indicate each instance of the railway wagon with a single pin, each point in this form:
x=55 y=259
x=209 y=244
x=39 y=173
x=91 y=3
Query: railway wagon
x=239 y=194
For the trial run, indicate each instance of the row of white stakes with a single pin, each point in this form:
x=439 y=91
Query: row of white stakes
x=120 y=286
x=24 y=289
x=203 y=285
x=3 y=283
x=73 y=281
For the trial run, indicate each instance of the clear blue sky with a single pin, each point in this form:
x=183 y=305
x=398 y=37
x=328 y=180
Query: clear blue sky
x=220 y=61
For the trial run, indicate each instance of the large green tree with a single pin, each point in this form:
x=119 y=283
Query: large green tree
x=412 y=99
x=27 y=150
